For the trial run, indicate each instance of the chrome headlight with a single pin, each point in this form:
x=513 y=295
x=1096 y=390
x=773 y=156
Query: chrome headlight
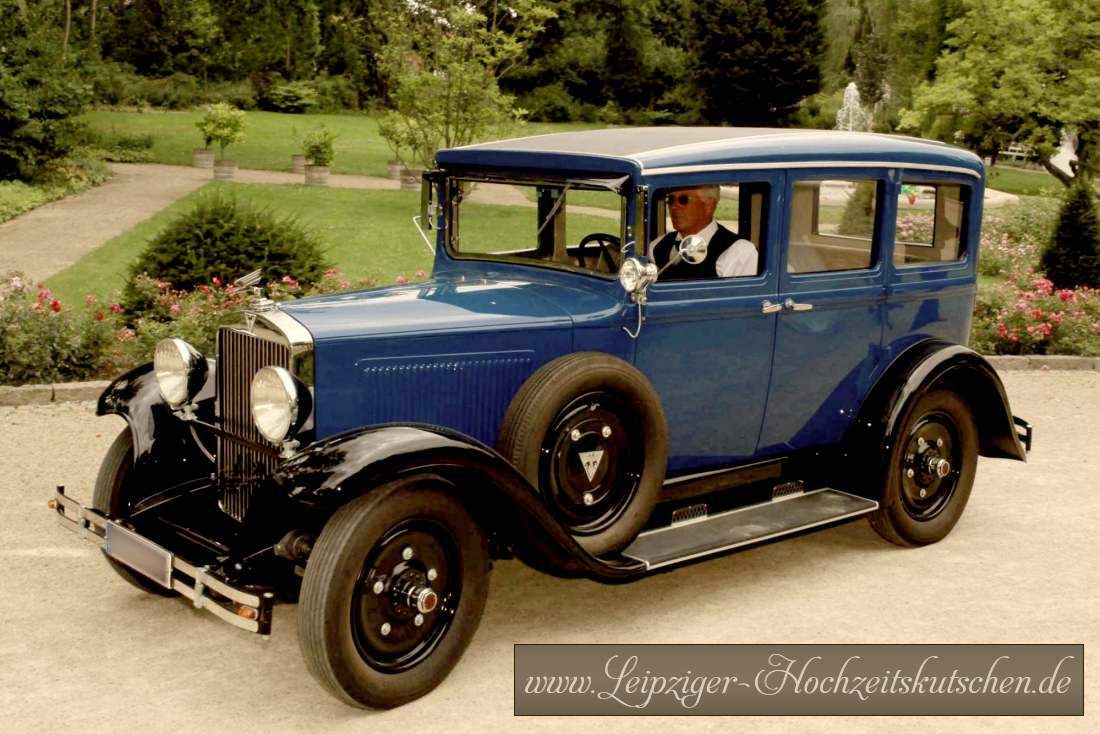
x=180 y=369
x=275 y=400
x=635 y=275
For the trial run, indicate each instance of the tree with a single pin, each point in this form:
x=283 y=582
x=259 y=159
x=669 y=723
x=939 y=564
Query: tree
x=40 y=94
x=1073 y=257
x=1018 y=71
x=755 y=60
x=444 y=63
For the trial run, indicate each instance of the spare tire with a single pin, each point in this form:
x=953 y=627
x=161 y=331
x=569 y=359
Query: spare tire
x=588 y=431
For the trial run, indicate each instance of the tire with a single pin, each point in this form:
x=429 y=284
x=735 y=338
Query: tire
x=946 y=424
x=582 y=411
x=341 y=615
x=112 y=497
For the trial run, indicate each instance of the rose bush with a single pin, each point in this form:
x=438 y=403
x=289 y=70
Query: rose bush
x=43 y=340
x=1030 y=316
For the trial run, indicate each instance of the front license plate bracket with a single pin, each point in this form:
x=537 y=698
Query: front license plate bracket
x=138 y=553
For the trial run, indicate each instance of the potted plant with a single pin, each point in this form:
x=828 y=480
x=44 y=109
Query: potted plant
x=222 y=124
x=389 y=127
x=318 y=147
x=298 y=161
x=203 y=157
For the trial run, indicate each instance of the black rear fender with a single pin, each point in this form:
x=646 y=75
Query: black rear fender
x=332 y=472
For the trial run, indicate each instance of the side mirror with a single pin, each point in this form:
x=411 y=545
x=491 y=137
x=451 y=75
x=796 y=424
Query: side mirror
x=635 y=276
x=693 y=249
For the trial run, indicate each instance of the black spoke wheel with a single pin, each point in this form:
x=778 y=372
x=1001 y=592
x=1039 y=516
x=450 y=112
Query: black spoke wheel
x=931 y=470
x=588 y=432
x=393 y=592
x=114 y=496
x=591 y=461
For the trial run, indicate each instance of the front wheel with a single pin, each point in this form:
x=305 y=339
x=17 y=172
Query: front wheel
x=931 y=471
x=393 y=593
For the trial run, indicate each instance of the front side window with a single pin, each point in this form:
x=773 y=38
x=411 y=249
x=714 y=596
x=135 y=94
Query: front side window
x=730 y=218
x=930 y=223
x=832 y=225
x=571 y=225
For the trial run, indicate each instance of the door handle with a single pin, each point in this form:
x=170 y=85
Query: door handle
x=769 y=307
x=791 y=305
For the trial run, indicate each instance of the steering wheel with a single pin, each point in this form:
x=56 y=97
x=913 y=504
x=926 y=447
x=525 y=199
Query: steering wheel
x=608 y=243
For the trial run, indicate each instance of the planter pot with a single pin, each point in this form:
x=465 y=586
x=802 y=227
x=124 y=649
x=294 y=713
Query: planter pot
x=224 y=170
x=410 y=179
x=202 y=157
x=298 y=163
x=394 y=169
x=316 y=175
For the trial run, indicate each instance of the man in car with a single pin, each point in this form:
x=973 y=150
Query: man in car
x=692 y=213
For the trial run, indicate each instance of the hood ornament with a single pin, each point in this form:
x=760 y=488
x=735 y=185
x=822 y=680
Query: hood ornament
x=260 y=302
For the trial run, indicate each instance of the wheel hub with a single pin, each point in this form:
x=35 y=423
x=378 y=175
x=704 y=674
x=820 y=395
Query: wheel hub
x=928 y=471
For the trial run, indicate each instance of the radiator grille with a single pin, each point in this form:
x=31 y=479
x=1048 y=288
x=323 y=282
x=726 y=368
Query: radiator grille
x=241 y=466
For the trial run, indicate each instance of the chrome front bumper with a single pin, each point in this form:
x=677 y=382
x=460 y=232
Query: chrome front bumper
x=244 y=609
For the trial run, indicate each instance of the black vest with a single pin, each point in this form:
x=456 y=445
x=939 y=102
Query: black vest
x=684 y=270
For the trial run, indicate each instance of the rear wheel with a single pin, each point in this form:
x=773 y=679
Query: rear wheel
x=931 y=471
x=393 y=593
x=113 y=496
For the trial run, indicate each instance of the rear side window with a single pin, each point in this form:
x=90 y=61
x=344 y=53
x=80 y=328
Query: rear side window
x=931 y=222
x=832 y=225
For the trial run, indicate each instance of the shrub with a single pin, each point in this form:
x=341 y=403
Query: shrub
x=17 y=197
x=43 y=340
x=336 y=93
x=238 y=94
x=1012 y=237
x=1073 y=256
x=317 y=145
x=1030 y=316
x=177 y=92
x=222 y=124
x=294 y=97
x=224 y=240
x=859 y=212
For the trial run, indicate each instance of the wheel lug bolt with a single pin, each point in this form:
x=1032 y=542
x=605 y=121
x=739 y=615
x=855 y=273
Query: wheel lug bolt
x=432 y=574
x=575 y=434
x=921 y=443
x=418 y=620
x=589 y=499
x=407 y=553
x=923 y=493
x=939 y=442
x=378 y=587
x=909 y=473
x=606 y=432
x=385 y=628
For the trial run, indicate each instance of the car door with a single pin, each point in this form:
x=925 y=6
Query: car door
x=706 y=345
x=829 y=335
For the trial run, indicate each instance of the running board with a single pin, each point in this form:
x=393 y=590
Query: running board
x=703 y=536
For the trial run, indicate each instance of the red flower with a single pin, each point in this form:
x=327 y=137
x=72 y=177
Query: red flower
x=203 y=288
x=420 y=274
x=217 y=282
x=290 y=281
x=332 y=271
x=98 y=315
x=44 y=294
x=55 y=305
x=115 y=308
x=174 y=308
x=401 y=280
x=1066 y=295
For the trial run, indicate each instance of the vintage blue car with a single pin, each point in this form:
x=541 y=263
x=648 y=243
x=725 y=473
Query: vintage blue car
x=637 y=348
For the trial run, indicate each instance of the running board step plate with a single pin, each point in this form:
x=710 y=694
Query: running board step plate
x=703 y=536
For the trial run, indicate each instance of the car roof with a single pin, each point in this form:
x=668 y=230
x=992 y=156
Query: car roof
x=666 y=150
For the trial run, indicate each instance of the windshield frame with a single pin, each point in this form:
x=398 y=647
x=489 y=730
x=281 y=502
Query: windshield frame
x=616 y=183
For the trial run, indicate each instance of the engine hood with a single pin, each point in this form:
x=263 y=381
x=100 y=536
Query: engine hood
x=452 y=305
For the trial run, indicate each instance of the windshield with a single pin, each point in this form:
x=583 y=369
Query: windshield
x=575 y=225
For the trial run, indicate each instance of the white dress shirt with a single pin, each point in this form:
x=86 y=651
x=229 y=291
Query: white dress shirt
x=739 y=259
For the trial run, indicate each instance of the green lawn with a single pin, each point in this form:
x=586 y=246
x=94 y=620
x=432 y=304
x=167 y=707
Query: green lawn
x=365 y=233
x=269 y=137
x=1023 y=181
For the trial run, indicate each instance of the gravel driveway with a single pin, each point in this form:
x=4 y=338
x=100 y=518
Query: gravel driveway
x=80 y=650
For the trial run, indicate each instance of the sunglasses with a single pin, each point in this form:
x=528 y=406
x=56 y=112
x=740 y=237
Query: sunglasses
x=681 y=199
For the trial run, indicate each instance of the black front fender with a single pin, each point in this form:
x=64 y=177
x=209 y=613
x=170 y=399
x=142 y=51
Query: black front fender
x=166 y=451
x=334 y=471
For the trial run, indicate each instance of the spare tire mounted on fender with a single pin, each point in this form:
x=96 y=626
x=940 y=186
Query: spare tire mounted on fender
x=588 y=431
